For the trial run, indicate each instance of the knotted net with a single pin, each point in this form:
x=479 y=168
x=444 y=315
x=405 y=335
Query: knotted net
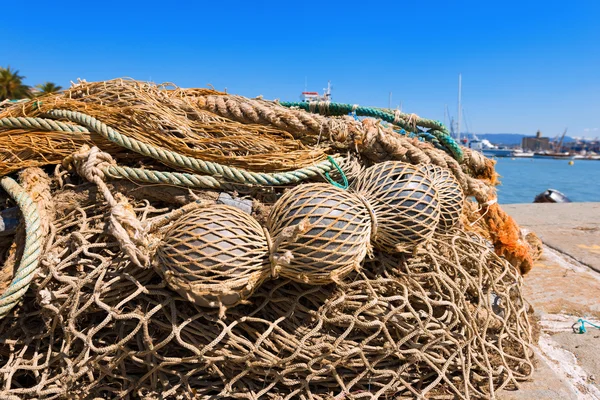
x=448 y=321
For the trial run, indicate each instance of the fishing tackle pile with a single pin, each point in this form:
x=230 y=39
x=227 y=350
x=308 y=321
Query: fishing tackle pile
x=160 y=242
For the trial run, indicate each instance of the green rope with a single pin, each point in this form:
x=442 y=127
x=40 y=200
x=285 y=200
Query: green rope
x=166 y=156
x=436 y=128
x=581 y=328
x=40 y=123
x=424 y=122
x=33 y=245
x=344 y=185
x=192 y=180
x=171 y=178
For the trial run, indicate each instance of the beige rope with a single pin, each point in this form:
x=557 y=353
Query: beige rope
x=374 y=223
x=123 y=224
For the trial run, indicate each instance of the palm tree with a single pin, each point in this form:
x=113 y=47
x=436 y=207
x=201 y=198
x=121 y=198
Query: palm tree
x=11 y=85
x=48 y=87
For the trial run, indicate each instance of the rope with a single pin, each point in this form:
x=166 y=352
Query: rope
x=29 y=260
x=40 y=123
x=414 y=119
x=344 y=185
x=173 y=158
x=582 y=326
x=123 y=223
x=164 y=155
x=436 y=128
x=423 y=136
x=173 y=178
x=311 y=129
x=192 y=180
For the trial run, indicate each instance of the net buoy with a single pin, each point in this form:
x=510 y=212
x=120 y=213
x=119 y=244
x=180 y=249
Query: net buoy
x=214 y=256
x=450 y=195
x=404 y=201
x=320 y=233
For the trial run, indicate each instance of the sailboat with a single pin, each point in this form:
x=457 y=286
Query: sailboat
x=556 y=154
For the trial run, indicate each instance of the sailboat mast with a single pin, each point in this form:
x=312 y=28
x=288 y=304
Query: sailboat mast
x=445 y=115
x=459 y=106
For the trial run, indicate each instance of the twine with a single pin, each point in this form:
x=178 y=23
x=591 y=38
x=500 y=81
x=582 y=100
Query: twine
x=369 y=208
x=485 y=205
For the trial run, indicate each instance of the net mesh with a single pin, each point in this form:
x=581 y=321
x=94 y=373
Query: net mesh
x=449 y=321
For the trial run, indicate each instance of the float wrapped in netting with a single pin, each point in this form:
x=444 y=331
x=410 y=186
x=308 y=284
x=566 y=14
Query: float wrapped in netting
x=405 y=203
x=450 y=195
x=321 y=233
x=215 y=255
x=187 y=243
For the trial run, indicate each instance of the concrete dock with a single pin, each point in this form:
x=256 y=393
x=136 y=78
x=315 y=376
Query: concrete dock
x=563 y=287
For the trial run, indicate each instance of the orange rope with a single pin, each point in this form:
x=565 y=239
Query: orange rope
x=506 y=237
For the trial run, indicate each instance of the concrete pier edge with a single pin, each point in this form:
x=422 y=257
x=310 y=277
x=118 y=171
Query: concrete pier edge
x=562 y=287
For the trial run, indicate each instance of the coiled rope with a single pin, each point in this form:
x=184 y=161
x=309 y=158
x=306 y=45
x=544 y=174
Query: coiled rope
x=164 y=155
x=405 y=121
x=31 y=252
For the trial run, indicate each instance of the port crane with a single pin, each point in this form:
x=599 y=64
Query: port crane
x=558 y=147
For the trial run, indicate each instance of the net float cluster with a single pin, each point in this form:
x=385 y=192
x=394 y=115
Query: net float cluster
x=316 y=233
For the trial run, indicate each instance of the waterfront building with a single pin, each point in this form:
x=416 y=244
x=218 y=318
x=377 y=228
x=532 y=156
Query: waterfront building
x=536 y=143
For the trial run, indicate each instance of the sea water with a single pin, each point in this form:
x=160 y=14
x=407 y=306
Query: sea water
x=524 y=178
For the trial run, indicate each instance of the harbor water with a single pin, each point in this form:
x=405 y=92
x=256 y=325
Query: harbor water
x=523 y=178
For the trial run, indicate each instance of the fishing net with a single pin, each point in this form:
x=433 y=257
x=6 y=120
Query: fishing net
x=157 y=278
x=157 y=116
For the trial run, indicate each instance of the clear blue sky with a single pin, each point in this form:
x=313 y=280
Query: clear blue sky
x=525 y=64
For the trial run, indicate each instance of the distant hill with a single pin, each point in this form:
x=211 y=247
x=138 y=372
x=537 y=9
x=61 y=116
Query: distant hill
x=510 y=139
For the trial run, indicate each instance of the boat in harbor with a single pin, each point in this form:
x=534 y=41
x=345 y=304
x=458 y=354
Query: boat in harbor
x=488 y=149
x=592 y=156
x=551 y=196
x=499 y=152
x=484 y=146
x=556 y=153
x=308 y=97
x=553 y=155
x=518 y=153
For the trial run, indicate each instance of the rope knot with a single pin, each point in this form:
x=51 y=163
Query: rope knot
x=123 y=224
x=90 y=162
x=412 y=119
x=129 y=231
x=397 y=116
